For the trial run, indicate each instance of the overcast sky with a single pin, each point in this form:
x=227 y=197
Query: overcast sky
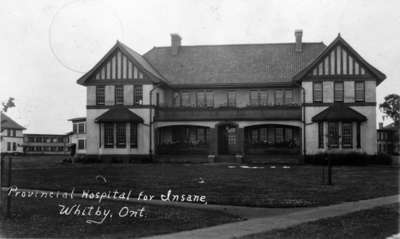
x=47 y=45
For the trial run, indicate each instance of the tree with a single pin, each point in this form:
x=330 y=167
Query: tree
x=391 y=107
x=9 y=104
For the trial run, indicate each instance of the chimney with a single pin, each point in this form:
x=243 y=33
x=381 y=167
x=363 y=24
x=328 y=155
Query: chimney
x=175 y=44
x=380 y=125
x=298 y=34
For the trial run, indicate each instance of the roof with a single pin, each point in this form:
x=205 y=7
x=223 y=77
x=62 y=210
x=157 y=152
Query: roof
x=119 y=113
x=39 y=134
x=78 y=119
x=131 y=54
x=339 y=112
x=339 y=40
x=8 y=123
x=233 y=64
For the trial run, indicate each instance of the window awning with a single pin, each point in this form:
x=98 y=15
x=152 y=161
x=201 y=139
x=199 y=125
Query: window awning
x=119 y=113
x=339 y=112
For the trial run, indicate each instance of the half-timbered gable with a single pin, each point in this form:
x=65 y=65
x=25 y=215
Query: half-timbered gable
x=340 y=61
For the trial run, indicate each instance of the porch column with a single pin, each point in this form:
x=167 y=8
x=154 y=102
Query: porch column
x=240 y=140
x=213 y=141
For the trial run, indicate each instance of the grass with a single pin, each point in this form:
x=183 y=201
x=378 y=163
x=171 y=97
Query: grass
x=40 y=218
x=264 y=187
x=380 y=222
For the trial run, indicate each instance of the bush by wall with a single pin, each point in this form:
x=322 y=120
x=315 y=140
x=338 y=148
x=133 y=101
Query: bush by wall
x=355 y=159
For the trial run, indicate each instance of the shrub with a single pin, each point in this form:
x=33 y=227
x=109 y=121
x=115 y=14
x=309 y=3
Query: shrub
x=353 y=158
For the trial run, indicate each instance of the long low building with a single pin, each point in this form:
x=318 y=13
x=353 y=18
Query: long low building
x=55 y=144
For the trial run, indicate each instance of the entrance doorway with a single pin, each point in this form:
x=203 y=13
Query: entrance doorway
x=227 y=139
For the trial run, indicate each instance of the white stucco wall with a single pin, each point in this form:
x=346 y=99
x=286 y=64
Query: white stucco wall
x=18 y=140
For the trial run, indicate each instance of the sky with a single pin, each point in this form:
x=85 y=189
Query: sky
x=46 y=45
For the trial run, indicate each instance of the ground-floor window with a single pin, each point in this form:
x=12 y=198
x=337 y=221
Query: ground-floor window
x=108 y=135
x=333 y=134
x=347 y=135
x=134 y=134
x=81 y=144
x=121 y=135
x=182 y=139
x=320 y=135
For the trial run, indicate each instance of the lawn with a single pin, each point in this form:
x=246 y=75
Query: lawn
x=40 y=218
x=380 y=222
x=264 y=187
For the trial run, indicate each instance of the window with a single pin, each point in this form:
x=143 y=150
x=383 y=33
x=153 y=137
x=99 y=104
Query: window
x=138 y=95
x=119 y=94
x=81 y=144
x=186 y=99
x=333 y=134
x=121 y=135
x=9 y=132
x=358 y=135
x=347 y=135
x=279 y=97
x=38 y=148
x=157 y=99
x=320 y=135
x=317 y=92
x=60 y=148
x=338 y=92
x=231 y=136
x=14 y=146
x=263 y=135
x=14 y=132
x=8 y=146
x=231 y=99
x=288 y=97
x=210 y=98
x=177 y=100
x=288 y=134
x=279 y=135
x=359 y=91
x=263 y=98
x=75 y=128
x=81 y=128
x=271 y=135
x=201 y=99
x=254 y=98
x=100 y=95
x=134 y=135
x=108 y=135
x=254 y=136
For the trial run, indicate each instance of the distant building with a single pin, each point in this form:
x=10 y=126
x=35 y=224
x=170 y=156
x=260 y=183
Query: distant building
x=77 y=137
x=388 y=139
x=11 y=135
x=55 y=144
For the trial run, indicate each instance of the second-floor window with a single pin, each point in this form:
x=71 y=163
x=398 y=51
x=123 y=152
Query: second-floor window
x=210 y=98
x=75 y=128
x=288 y=97
x=177 y=100
x=279 y=97
x=100 y=95
x=254 y=98
x=81 y=128
x=201 y=99
x=338 y=92
x=138 y=94
x=359 y=91
x=317 y=92
x=231 y=98
x=119 y=94
x=186 y=99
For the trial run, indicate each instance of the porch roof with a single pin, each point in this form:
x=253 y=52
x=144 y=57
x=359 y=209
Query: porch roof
x=339 y=112
x=119 y=113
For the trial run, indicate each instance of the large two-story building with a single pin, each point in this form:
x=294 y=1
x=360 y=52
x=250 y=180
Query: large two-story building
x=11 y=135
x=247 y=100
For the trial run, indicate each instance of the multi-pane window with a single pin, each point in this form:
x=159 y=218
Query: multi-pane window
x=9 y=132
x=186 y=99
x=231 y=98
x=263 y=98
x=8 y=146
x=81 y=128
x=232 y=136
x=119 y=94
x=14 y=146
x=100 y=95
x=108 y=135
x=14 y=133
x=210 y=98
x=288 y=97
x=333 y=134
x=317 y=92
x=278 y=135
x=347 y=135
x=359 y=91
x=254 y=136
x=320 y=135
x=338 y=91
x=254 y=98
x=201 y=99
x=138 y=94
x=75 y=128
x=134 y=134
x=288 y=134
x=279 y=97
x=121 y=135
x=81 y=144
